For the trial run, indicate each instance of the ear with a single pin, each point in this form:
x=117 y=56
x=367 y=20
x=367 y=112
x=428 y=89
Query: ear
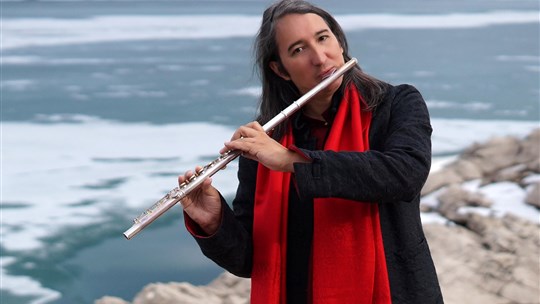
x=279 y=70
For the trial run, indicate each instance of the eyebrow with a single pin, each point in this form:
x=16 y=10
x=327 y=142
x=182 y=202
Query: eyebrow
x=300 y=41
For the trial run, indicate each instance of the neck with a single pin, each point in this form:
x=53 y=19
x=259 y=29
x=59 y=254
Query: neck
x=316 y=107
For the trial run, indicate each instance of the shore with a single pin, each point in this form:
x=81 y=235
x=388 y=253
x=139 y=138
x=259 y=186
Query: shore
x=481 y=216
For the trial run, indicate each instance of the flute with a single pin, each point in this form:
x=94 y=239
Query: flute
x=178 y=193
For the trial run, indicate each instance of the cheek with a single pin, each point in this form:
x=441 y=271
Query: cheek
x=297 y=73
x=300 y=78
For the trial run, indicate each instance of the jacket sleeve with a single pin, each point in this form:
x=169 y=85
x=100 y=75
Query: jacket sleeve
x=231 y=246
x=394 y=169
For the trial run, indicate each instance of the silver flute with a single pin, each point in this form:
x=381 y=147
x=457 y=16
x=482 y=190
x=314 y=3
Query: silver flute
x=178 y=193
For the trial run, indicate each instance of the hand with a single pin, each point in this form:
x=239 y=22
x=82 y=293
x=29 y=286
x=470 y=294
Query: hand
x=255 y=144
x=202 y=205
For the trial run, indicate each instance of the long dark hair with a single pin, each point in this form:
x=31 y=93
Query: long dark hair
x=278 y=93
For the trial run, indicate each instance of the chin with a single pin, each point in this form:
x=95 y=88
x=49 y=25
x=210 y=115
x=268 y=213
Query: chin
x=334 y=86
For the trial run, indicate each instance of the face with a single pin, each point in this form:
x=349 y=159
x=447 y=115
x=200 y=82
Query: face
x=308 y=50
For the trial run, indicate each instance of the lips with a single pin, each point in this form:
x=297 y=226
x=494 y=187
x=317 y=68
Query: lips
x=328 y=73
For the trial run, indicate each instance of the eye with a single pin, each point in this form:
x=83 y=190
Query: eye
x=297 y=50
x=323 y=37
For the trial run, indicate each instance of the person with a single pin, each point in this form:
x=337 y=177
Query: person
x=327 y=206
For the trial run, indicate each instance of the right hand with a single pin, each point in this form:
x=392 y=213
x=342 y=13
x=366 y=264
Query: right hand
x=202 y=205
x=255 y=144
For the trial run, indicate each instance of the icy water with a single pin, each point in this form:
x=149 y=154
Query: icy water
x=104 y=103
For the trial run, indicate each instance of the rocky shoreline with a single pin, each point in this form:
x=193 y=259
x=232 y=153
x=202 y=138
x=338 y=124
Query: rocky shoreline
x=486 y=249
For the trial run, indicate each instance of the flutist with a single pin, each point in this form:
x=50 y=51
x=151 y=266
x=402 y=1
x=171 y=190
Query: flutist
x=327 y=207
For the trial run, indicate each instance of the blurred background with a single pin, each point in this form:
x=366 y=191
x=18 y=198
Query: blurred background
x=104 y=103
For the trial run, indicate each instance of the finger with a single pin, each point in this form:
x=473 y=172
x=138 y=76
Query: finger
x=242 y=134
x=239 y=144
x=249 y=130
x=256 y=126
x=207 y=182
x=226 y=147
x=182 y=178
x=186 y=203
x=237 y=134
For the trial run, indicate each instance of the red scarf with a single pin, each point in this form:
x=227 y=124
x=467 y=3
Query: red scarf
x=348 y=261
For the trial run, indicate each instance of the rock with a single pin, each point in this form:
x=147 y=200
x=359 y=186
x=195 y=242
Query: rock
x=426 y=208
x=519 y=293
x=486 y=259
x=456 y=253
x=534 y=165
x=511 y=174
x=499 y=159
x=497 y=153
x=454 y=198
x=468 y=169
x=529 y=152
x=494 y=235
x=495 y=263
x=176 y=293
x=533 y=196
x=227 y=282
x=439 y=179
x=110 y=300
x=225 y=289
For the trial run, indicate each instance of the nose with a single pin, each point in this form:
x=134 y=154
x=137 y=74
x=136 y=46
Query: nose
x=318 y=56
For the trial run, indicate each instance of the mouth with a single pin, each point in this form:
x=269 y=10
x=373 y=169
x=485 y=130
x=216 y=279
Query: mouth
x=328 y=73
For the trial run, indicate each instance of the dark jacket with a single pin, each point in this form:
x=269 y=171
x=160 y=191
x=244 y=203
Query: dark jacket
x=391 y=174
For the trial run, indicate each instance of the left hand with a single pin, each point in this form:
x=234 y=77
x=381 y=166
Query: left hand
x=255 y=144
x=203 y=204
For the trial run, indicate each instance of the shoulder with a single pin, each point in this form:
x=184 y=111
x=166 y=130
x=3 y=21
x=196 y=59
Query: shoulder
x=402 y=106
x=401 y=97
x=400 y=91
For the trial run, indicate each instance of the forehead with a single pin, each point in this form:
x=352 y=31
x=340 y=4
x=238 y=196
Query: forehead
x=294 y=27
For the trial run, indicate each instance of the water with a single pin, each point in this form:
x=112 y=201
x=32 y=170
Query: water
x=104 y=103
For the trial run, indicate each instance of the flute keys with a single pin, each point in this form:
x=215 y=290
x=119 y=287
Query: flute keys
x=174 y=193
